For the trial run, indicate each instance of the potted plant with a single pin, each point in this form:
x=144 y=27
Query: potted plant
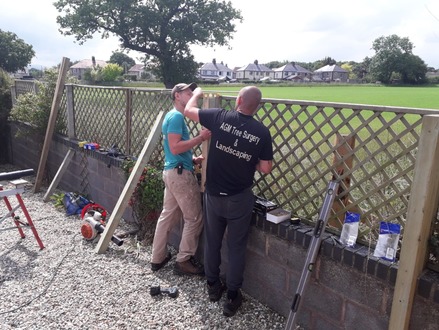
x=147 y=198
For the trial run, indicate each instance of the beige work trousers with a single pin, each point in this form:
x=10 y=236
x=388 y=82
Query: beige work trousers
x=181 y=198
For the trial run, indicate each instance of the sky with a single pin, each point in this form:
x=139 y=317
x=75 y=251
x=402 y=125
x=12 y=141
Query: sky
x=275 y=30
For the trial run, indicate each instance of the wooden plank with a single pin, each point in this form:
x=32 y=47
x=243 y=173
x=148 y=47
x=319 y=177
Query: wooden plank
x=52 y=120
x=424 y=199
x=131 y=184
x=343 y=160
x=209 y=101
x=59 y=174
x=71 y=129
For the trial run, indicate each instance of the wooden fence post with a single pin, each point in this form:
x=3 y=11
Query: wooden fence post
x=128 y=120
x=59 y=90
x=13 y=93
x=209 y=101
x=422 y=209
x=71 y=130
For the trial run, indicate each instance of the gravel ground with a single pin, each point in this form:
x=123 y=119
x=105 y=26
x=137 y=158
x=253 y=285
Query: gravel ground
x=69 y=286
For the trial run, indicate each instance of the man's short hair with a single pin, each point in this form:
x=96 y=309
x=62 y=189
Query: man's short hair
x=181 y=87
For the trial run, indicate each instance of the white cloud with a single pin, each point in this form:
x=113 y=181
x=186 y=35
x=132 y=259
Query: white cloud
x=271 y=30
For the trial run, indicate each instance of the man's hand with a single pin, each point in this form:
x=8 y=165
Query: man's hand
x=197 y=92
x=205 y=134
x=198 y=160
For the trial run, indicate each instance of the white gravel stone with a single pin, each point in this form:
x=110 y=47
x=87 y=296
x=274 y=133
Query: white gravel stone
x=69 y=286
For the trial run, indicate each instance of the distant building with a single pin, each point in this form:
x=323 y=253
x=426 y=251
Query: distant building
x=332 y=73
x=292 y=71
x=79 y=68
x=215 y=72
x=136 y=70
x=254 y=71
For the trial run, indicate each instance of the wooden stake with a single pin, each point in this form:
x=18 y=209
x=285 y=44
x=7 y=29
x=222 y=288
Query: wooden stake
x=52 y=121
x=131 y=184
x=422 y=208
x=59 y=174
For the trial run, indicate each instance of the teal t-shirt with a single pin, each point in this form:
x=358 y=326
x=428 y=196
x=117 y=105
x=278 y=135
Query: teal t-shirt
x=174 y=123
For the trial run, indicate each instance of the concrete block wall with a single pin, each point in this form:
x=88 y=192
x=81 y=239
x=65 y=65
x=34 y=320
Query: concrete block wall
x=89 y=172
x=348 y=289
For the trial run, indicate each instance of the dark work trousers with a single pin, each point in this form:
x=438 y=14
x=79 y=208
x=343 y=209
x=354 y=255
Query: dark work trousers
x=235 y=214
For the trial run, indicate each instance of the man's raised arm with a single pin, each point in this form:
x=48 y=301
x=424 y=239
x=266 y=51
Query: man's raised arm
x=191 y=109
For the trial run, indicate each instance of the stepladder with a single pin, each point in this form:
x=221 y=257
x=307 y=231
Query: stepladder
x=14 y=212
x=313 y=251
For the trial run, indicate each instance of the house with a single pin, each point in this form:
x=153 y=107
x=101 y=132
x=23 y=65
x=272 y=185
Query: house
x=254 y=71
x=79 y=68
x=332 y=73
x=215 y=72
x=136 y=70
x=291 y=71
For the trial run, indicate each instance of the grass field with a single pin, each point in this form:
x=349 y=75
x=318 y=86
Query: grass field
x=412 y=97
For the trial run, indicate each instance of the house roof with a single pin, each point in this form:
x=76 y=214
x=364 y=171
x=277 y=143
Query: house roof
x=331 y=68
x=215 y=67
x=88 y=63
x=137 y=68
x=255 y=67
x=292 y=67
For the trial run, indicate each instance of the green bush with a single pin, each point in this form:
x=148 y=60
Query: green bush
x=5 y=109
x=147 y=199
x=34 y=109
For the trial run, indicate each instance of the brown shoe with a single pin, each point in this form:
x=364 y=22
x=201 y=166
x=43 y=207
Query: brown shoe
x=187 y=267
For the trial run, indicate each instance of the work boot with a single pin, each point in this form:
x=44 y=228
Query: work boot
x=188 y=267
x=215 y=291
x=156 y=266
x=231 y=305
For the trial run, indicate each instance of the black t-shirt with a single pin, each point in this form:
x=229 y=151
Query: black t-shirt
x=237 y=144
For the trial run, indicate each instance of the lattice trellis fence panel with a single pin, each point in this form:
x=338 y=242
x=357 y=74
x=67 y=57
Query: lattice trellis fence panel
x=304 y=141
x=305 y=145
x=100 y=115
x=118 y=116
x=61 y=120
x=146 y=105
x=25 y=86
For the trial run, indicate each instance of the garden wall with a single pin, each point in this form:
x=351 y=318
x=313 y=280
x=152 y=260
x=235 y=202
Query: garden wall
x=349 y=288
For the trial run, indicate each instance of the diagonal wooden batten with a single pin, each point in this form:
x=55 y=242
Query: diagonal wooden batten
x=131 y=184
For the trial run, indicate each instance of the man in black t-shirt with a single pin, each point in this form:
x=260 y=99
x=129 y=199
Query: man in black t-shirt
x=239 y=146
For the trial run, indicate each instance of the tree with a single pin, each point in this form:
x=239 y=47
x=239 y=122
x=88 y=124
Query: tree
x=15 y=54
x=111 y=71
x=123 y=60
x=348 y=68
x=161 y=29
x=5 y=109
x=36 y=73
x=394 y=57
x=413 y=70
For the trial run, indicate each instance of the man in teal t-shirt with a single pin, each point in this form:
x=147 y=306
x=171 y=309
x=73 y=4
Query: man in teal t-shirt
x=182 y=196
